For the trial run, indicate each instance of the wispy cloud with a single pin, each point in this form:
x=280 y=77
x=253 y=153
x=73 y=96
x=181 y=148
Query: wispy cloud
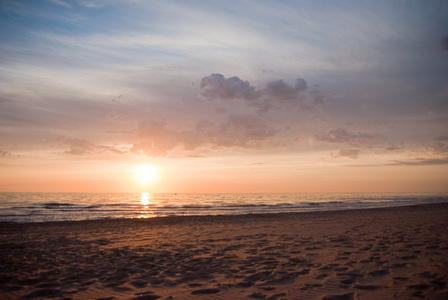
x=342 y=136
x=82 y=147
x=4 y=154
x=156 y=138
x=419 y=162
x=347 y=152
x=439 y=147
x=61 y=3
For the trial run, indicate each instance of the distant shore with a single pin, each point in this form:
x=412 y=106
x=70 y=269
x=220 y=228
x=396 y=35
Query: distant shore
x=378 y=253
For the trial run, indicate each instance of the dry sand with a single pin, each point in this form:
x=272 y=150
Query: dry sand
x=393 y=253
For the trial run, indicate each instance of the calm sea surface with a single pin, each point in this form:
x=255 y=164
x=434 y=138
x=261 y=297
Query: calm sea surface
x=46 y=207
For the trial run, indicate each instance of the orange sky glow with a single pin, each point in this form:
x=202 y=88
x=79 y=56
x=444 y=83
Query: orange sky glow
x=264 y=97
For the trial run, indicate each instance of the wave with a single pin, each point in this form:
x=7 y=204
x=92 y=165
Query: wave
x=44 y=207
x=248 y=205
x=194 y=206
x=56 y=204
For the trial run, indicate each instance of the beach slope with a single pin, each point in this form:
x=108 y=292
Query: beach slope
x=386 y=253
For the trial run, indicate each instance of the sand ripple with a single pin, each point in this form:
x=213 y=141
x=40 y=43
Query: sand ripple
x=373 y=254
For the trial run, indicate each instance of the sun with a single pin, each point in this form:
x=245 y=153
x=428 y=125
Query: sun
x=145 y=174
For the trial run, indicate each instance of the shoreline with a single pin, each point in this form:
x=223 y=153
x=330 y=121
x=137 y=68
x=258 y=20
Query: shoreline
x=47 y=207
x=184 y=218
x=380 y=253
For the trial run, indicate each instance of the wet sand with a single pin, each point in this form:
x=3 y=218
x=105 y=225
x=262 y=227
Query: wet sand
x=391 y=253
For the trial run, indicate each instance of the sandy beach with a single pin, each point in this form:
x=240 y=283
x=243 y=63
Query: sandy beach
x=390 y=253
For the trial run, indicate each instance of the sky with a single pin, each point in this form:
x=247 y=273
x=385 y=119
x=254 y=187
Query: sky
x=224 y=96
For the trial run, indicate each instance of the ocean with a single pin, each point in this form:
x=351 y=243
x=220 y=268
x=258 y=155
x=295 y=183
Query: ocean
x=49 y=207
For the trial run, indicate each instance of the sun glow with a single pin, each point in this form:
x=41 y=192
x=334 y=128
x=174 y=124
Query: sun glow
x=145 y=174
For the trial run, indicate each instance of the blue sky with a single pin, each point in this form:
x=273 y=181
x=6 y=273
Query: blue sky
x=278 y=95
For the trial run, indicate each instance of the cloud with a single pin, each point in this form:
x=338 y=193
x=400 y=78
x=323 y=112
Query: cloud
x=246 y=128
x=220 y=110
x=435 y=153
x=280 y=91
x=349 y=153
x=443 y=138
x=93 y=3
x=152 y=128
x=5 y=153
x=443 y=94
x=82 y=147
x=274 y=94
x=113 y=149
x=216 y=86
x=61 y=3
x=439 y=147
x=156 y=139
x=113 y=115
x=342 y=136
x=444 y=43
x=237 y=131
x=318 y=96
x=301 y=84
x=420 y=162
x=392 y=147
x=76 y=146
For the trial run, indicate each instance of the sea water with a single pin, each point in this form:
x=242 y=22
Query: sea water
x=47 y=207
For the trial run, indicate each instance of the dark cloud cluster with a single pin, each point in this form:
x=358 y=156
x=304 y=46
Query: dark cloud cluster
x=281 y=91
x=274 y=94
x=217 y=86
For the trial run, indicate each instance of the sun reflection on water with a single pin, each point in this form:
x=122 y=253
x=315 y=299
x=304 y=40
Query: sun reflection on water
x=145 y=198
x=146 y=211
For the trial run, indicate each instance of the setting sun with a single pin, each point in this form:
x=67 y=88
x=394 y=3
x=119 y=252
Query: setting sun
x=145 y=174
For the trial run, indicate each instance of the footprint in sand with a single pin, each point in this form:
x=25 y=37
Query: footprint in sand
x=257 y=296
x=138 y=283
x=44 y=293
x=311 y=286
x=348 y=296
x=205 y=291
x=349 y=281
x=146 y=297
x=379 y=272
x=322 y=276
x=368 y=287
